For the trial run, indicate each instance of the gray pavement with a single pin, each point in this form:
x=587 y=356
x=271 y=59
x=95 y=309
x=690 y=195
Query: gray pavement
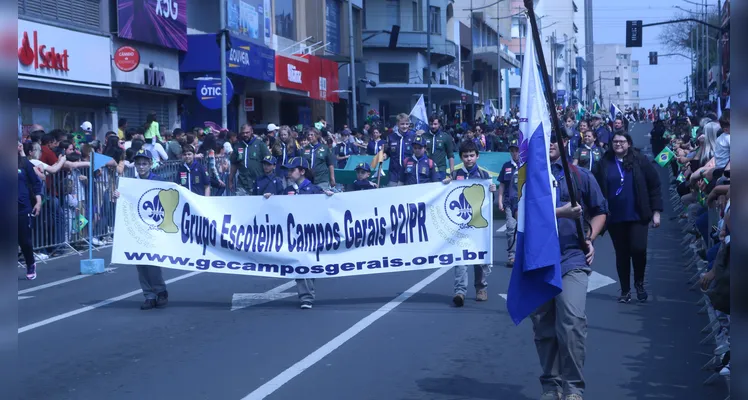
x=422 y=349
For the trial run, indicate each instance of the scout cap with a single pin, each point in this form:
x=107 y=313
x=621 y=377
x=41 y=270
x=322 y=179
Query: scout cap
x=269 y=160
x=419 y=141
x=297 y=162
x=514 y=143
x=596 y=116
x=143 y=153
x=363 y=166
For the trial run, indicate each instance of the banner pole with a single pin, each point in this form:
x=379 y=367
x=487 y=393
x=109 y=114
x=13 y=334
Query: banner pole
x=555 y=123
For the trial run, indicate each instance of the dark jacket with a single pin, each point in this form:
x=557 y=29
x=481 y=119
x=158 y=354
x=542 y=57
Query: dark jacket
x=647 y=190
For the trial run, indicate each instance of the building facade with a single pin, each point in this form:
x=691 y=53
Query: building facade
x=614 y=65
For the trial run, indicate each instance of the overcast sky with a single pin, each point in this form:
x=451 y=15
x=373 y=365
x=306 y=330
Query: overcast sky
x=656 y=82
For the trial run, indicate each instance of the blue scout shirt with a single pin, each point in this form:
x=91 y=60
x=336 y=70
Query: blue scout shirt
x=463 y=173
x=194 y=177
x=344 y=149
x=305 y=187
x=399 y=147
x=363 y=185
x=373 y=147
x=151 y=176
x=593 y=204
x=272 y=184
x=621 y=193
x=419 y=171
x=509 y=176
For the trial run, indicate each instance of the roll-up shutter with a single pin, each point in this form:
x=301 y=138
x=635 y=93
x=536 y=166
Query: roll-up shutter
x=135 y=107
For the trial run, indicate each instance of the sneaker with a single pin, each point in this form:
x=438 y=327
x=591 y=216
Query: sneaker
x=459 y=300
x=162 y=300
x=41 y=256
x=641 y=293
x=725 y=371
x=625 y=297
x=31 y=272
x=573 y=397
x=551 y=395
x=481 y=295
x=148 y=304
x=96 y=242
x=510 y=264
x=305 y=305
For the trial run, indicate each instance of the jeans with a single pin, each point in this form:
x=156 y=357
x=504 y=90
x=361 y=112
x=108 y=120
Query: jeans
x=461 y=277
x=305 y=289
x=151 y=281
x=511 y=233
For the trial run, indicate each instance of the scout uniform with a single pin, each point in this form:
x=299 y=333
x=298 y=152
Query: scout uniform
x=194 y=177
x=268 y=183
x=588 y=156
x=364 y=184
x=319 y=158
x=151 y=277
x=345 y=148
x=417 y=170
x=399 y=147
x=373 y=147
x=247 y=157
x=509 y=176
x=440 y=147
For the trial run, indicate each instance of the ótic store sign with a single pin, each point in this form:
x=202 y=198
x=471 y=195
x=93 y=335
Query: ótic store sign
x=208 y=91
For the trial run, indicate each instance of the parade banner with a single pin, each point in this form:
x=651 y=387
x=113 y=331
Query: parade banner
x=406 y=228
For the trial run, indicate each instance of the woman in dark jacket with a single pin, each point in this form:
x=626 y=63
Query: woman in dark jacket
x=630 y=183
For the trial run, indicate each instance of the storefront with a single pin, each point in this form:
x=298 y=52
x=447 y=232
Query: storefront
x=145 y=79
x=64 y=78
x=250 y=68
x=307 y=88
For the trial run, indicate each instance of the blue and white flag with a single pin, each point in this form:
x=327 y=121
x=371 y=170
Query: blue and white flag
x=419 y=116
x=536 y=277
x=614 y=111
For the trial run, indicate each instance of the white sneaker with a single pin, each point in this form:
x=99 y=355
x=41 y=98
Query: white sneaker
x=96 y=242
x=41 y=256
x=725 y=371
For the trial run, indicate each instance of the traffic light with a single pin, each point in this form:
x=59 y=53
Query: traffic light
x=633 y=33
x=618 y=81
x=652 y=58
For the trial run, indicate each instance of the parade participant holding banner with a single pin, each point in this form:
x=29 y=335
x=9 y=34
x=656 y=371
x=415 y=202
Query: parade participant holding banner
x=192 y=173
x=320 y=158
x=440 y=146
x=398 y=147
x=246 y=159
x=469 y=154
x=419 y=168
x=151 y=278
x=362 y=182
x=270 y=183
x=508 y=179
x=301 y=175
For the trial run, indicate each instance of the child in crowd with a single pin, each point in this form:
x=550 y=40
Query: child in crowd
x=192 y=173
x=362 y=182
x=270 y=183
x=419 y=168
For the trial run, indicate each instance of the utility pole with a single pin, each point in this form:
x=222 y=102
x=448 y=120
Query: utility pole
x=600 y=80
x=224 y=102
x=498 y=52
x=708 y=56
x=687 y=78
x=719 y=50
x=428 y=58
x=472 y=63
x=352 y=75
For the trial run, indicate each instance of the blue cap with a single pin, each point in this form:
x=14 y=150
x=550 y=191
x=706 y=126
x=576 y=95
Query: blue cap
x=297 y=162
x=269 y=160
x=513 y=143
x=419 y=141
x=364 y=166
x=143 y=153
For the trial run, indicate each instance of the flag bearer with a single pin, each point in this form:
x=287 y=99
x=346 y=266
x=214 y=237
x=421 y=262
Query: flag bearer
x=192 y=173
x=469 y=154
x=419 y=168
x=362 y=182
x=270 y=183
x=300 y=175
x=508 y=198
x=151 y=278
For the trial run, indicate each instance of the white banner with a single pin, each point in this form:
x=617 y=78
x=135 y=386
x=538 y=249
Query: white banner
x=405 y=228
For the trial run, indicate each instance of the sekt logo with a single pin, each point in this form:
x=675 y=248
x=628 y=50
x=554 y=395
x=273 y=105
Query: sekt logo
x=167 y=9
x=40 y=56
x=294 y=75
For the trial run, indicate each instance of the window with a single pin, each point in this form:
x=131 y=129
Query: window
x=635 y=81
x=80 y=12
x=393 y=12
x=285 y=19
x=394 y=72
x=635 y=93
x=417 y=16
x=634 y=69
x=435 y=21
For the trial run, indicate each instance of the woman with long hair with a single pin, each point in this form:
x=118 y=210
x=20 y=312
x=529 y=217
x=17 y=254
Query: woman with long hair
x=631 y=185
x=151 y=128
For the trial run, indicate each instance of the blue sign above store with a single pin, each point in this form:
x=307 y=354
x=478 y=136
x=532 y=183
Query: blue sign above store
x=208 y=92
x=244 y=59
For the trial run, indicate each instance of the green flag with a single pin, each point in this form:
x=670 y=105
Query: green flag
x=665 y=156
x=82 y=221
x=681 y=178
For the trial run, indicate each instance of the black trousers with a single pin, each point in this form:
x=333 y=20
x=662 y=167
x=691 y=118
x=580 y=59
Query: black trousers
x=24 y=238
x=630 y=243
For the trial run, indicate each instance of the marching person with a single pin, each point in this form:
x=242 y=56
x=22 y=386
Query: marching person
x=270 y=183
x=469 y=154
x=301 y=176
x=192 y=173
x=560 y=325
x=320 y=158
x=419 y=168
x=398 y=147
x=589 y=154
x=29 y=206
x=151 y=277
x=440 y=147
x=362 y=182
x=345 y=149
x=246 y=159
x=508 y=196
x=630 y=184
x=375 y=143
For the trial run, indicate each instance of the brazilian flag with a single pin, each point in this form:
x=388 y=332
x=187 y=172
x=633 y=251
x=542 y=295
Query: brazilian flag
x=665 y=156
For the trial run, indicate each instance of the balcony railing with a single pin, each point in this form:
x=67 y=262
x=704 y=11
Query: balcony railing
x=413 y=40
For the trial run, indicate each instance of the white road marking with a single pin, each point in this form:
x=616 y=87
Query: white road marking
x=293 y=371
x=24 y=297
x=244 y=300
x=502 y=229
x=97 y=305
x=596 y=281
x=60 y=282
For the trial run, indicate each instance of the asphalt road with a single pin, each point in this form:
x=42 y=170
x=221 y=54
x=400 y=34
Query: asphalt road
x=390 y=336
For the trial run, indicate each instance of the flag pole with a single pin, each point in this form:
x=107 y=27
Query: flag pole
x=554 y=115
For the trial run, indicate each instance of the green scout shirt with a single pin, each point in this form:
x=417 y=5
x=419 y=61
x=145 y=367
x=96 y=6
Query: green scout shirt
x=439 y=148
x=247 y=157
x=588 y=157
x=320 y=159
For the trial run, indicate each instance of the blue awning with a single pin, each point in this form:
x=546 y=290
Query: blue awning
x=244 y=59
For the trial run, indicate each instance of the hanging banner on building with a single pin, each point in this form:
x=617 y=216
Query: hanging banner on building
x=250 y=20
x=162 y=22
x=405 y=228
